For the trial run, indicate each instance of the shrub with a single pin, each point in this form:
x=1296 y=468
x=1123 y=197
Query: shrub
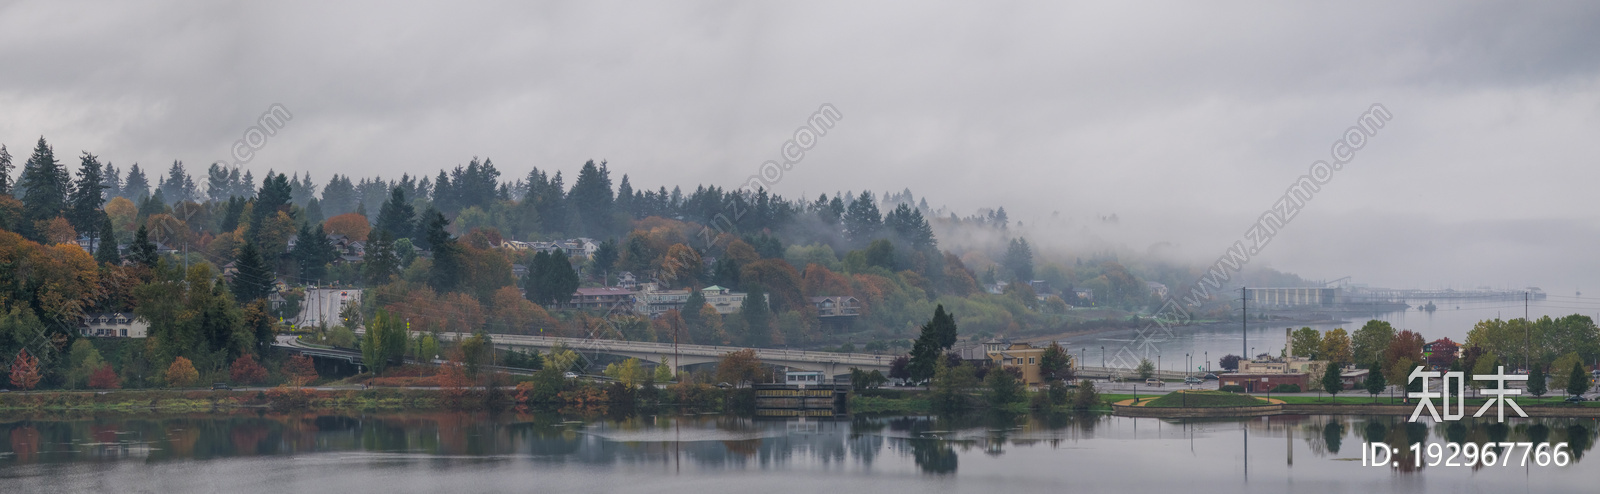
x=1086 y=397
x=1286 y=388
x=104 y=378
x=1231 y=388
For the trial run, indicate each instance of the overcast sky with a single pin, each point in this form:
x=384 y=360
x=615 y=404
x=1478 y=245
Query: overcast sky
x=1186 y=120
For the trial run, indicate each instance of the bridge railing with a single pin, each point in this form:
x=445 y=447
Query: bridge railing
x=621 y=345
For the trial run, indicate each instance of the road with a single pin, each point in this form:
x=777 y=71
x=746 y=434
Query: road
x=324 y=304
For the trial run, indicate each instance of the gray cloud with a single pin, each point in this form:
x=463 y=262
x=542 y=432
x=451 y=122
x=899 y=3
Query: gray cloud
x=1185 y=119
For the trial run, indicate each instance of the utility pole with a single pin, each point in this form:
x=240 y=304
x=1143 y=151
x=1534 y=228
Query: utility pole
x=675 y=347
x=1527 y=338
x=1244 y=319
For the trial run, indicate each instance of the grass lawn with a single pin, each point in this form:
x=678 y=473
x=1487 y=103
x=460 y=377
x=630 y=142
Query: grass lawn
x=1205 y=399
x=1383 y=399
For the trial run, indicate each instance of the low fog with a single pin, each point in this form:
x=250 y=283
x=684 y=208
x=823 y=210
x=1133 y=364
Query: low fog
x=1143 y=130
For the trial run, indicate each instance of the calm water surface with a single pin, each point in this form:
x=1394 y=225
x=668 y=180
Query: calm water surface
x=464 y=452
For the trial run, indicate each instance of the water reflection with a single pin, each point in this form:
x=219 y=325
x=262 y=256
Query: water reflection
x=933 y=447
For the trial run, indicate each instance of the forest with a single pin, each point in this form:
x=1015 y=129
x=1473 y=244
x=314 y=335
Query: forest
x=219 y=263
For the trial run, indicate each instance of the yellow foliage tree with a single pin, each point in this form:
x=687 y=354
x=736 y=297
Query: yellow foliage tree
x=181 y=374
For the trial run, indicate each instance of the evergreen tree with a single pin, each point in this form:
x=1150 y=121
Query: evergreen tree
x=692 y=320
x=339 y=196
x=591 y=200
x=1578 y=380
x=447 y=265
x=1019 y=260
x=231 y=216
x=862 y=221
x=105 y=250
x=254 y=279
x=397 y=216
x=143 y=251
x=274 y=197
x=5 y=170
x=313 y=212
x=1332 y=382
x=757 y=317
x=87 y=197
x=1375 y=381
x=550 y=280
x=1538 y=383
x=218 y=187
x=381 y=262
x=312 y=252
x=44 y=187
x=605 y=257
x=110 y=183
x=944 y=328
x=136 y=188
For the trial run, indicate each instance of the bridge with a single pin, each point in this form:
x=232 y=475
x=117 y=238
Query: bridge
x=831 y=363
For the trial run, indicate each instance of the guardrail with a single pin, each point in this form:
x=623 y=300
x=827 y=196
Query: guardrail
x=693 y=349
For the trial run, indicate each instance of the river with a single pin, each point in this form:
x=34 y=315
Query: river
x=1208 y=343
x=474 y=452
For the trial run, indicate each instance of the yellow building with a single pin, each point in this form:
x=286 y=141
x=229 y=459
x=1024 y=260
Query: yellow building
x=1020 y=355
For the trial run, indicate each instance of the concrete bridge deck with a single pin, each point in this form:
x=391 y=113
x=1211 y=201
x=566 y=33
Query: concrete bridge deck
x=829 y=362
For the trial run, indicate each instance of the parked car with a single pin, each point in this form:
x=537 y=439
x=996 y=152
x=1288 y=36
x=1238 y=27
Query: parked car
x=1575 y=399
x=1154 y=382
x=570 y=375
x=221 y=387
x=1211 y=377
x=1193 y=380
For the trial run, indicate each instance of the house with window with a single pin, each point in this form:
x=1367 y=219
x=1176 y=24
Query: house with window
x=601 y=298
x=113 y=325
x=1023 y=356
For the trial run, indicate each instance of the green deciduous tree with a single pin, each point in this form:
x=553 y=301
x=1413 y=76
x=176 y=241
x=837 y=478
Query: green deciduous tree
x=1055 y=364
x=1305 y=342
x=385 y=341
x=1371 y=340
x=1146 y=368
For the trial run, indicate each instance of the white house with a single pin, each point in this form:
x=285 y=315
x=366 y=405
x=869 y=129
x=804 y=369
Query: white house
x=113 y=325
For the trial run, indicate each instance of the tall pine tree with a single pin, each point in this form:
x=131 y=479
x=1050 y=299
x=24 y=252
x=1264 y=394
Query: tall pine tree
x=5 y=170
x=253 y=280
x=397 y=216
x=44 y=187
x=87 y=196
x=447 y=265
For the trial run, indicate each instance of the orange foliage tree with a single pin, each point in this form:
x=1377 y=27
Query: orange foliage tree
x=514 y=314
x=24 y=371
x=105 y=378
x=245 y=370
x=181 y=374
x=780 y=280
x=57 y=230
x=350 y=225
x=300 y=370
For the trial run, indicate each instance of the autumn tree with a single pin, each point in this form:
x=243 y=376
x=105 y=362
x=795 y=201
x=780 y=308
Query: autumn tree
x=105 y=378
x=1406 y=346
x=1336 y=348
x=351 y=225
x=25 y=369
x=681 y=266
x=300 y=370
x=181 y=374
x=739 y=367
x=245 y=370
